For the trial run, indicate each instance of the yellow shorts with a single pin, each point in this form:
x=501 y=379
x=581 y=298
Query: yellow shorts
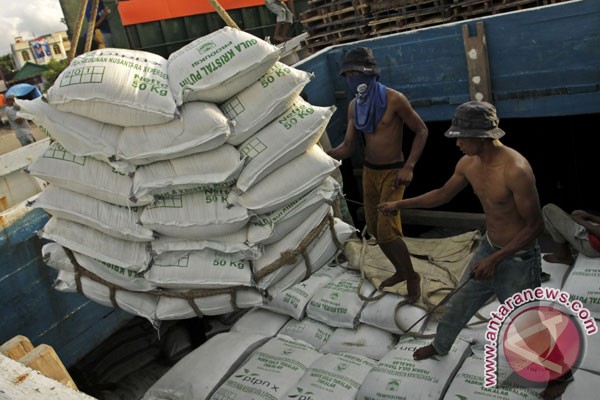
x=378 y=181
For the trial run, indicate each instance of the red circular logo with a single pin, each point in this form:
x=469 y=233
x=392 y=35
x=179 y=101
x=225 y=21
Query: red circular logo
x=542 y=344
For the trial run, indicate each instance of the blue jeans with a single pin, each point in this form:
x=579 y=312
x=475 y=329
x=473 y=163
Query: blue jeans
x=513 y=275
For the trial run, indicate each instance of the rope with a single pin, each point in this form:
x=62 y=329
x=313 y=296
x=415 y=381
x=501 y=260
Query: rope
x=407 y=331
x=189 y=295
x=444 y=300
x=363 y=250
x=79 y=270
x=291 y=256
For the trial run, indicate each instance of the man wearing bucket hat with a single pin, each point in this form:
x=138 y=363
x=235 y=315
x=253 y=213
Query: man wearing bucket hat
x=380 y=113
x=508 y=259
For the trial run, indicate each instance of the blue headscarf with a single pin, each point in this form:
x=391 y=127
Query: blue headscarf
x=371 y=101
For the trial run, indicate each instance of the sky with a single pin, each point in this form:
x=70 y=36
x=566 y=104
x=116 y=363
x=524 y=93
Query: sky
x=28 y=18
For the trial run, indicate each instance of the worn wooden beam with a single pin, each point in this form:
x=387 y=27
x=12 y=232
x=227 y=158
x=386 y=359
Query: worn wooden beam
x=478 y=67
x=16 y=347
x=443 y=219
x=20 y=382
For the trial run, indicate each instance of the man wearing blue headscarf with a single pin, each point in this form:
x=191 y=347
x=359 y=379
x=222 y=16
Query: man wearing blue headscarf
x=380 y=113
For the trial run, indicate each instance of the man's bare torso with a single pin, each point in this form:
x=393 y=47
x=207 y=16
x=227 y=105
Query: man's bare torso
x=490 y=184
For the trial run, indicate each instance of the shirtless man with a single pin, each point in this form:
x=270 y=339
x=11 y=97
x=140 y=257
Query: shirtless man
x=381 y=113
x=508 y=259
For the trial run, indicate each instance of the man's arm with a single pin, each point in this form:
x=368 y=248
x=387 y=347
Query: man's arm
x=433 y=198
x=348 y=146
x=415 y=123
x=589 y=221
x=103 y=15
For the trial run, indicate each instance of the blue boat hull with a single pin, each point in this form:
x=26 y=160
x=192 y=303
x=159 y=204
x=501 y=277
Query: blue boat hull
x=543 y=62
x=70 y=323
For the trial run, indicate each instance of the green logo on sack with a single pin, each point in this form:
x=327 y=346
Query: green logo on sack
x=301 y=395
x=392 y=386
x=204 y=47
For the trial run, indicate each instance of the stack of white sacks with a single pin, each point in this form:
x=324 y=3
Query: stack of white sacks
x=189 y=186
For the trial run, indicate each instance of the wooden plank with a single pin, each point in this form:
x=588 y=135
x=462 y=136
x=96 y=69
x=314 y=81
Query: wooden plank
x=478 y=67
x=443 y=219
x=43 y=358
x=19 y=382
x=16 y=347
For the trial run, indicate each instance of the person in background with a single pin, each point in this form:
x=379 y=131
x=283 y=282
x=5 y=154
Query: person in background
x=284 y=18
x=102 y=35
x=19 y=125
x=580 y=230
x=380 y=113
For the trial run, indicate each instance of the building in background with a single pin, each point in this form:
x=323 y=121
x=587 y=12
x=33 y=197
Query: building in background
x=40 y=50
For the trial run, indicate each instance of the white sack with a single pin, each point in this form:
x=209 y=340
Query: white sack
x=270 y=371
x=392 y=314
x=558 y=274
x=202 y=127
x=273 y=226
x=320 y=252
x=365 y=340
x=170 y=308
x=233 y=243
x=288 y=183
x=116 y=86
x=183 y=381
x=136 y=303
x=264 y=100
x=54 y=256
x=84 y=175
x=202 y=269
x=308 y=330
x=198 y=215
x=78 y=134
x=334 y=376
x=469 y=383
x=174 y=176
x=293 y=301
x=338 y=303
x=592 y=354
x=273 y=254
x=583 y=284
x=133 y=256
x=585 y=386
x=398 y=374
x=216 y=66
x=260 y=321
x=117 y=221
x=288 y=136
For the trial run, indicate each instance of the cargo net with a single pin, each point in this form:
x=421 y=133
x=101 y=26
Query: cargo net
x=289 y=257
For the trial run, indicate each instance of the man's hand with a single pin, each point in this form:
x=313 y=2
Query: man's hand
x=388 y=208
x=484 y=269
x=403 y=177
